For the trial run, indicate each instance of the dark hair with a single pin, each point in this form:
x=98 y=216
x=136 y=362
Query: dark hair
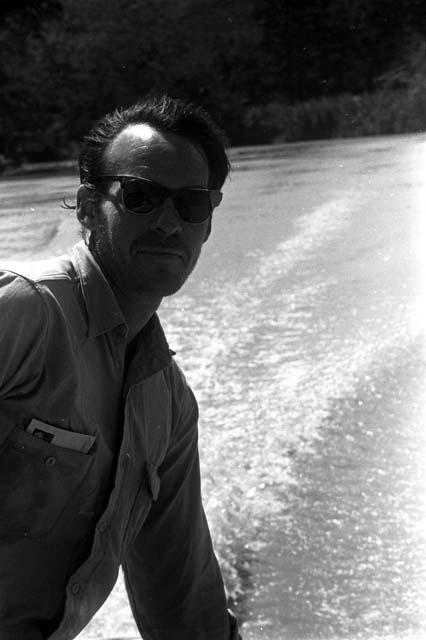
x=166 y=114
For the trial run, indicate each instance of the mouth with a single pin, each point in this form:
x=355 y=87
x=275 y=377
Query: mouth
x=162 y=251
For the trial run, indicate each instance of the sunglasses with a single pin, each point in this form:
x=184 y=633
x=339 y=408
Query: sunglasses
x=142 y=196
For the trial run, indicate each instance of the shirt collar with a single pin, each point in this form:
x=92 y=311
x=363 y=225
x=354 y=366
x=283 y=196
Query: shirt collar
x=103 y=312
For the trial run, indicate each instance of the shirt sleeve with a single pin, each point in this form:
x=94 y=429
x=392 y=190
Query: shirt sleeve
x=23 y=324
x=172 y=576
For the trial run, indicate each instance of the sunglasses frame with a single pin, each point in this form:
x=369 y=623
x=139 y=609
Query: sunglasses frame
x=215 y=196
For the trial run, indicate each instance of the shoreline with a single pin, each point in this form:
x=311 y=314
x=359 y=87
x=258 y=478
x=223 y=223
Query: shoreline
x=236 y=154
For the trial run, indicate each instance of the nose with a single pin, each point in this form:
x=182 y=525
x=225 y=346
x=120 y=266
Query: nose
x=167 y=221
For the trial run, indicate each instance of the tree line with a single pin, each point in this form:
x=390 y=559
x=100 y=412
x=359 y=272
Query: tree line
x=265 y=69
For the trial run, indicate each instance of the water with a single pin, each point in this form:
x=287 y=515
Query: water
x=302 y=334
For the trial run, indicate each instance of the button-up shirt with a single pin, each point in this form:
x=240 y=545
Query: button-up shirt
x=70 y=518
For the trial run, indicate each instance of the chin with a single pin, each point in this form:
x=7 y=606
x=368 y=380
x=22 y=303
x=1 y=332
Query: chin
x=158 y=282
x=158 y=288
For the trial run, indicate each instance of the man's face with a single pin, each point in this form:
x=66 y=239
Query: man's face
x=149 y=254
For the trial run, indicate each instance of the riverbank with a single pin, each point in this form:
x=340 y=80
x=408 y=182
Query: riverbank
x=40 y=168
x=386 y=111
x=237 y=154
x=383 y=112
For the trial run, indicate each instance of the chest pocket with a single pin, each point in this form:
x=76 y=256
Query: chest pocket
x=149 y=413
x=37 y=483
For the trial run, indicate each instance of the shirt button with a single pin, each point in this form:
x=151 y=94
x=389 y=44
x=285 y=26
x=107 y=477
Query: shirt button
x=50 y=461
x=103 y=526
x=75 y=588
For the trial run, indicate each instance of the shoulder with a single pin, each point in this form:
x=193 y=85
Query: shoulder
x=31 y=285
x=185 y=407
x=19 y=297
x=24 y=324
x=40 y=271
x=178 y=381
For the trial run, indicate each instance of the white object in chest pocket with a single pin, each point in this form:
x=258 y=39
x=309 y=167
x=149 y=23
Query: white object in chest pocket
x=61 y=437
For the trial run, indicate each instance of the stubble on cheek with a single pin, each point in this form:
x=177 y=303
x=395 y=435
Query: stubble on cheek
x=103 y=249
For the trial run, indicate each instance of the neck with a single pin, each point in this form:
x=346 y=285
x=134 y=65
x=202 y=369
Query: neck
x=137 y=309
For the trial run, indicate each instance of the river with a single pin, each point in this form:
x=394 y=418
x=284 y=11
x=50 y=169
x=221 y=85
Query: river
x=302 y=332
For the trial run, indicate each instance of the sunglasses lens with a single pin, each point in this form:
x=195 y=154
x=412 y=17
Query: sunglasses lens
x=192 y=205
x=140 y=197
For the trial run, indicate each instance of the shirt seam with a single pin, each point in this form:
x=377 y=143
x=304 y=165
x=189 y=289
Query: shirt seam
x=45 y=277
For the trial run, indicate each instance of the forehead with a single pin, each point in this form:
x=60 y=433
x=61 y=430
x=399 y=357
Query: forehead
x=141 y=150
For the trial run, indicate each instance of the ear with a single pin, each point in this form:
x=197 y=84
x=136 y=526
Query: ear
x=86 y=207
x=208 y=230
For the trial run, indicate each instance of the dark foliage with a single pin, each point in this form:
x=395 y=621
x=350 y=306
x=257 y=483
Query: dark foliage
x=63 y=63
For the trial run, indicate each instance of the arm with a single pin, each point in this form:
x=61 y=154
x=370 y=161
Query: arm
x=172 y=575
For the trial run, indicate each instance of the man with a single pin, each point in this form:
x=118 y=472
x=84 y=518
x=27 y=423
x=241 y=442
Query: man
x=99 y=463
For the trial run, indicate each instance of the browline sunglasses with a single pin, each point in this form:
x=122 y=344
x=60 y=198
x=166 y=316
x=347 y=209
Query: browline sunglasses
x=142 y=196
